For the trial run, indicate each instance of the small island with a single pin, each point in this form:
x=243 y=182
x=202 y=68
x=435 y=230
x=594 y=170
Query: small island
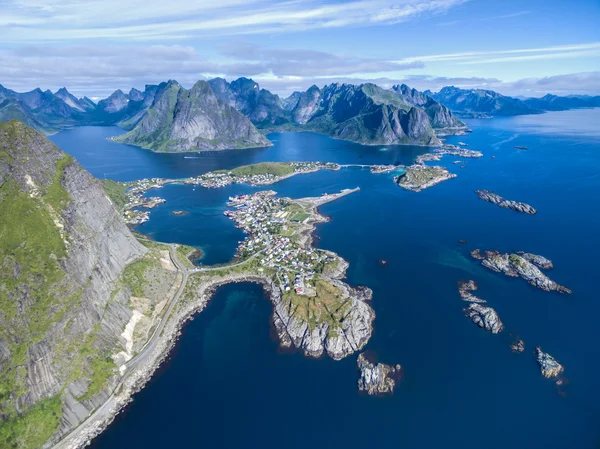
x=518 y=345
x=493 y=198
x=465 y=289
x=549 y=366
x=419 y=176
x=484 y=316
x=516 y=265
x=377 y=379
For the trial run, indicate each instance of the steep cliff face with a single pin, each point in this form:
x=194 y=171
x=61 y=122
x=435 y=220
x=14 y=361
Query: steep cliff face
x=439 y=115
x=63 y=308
x=262 y=107
x=114 y=103
x=192 y=120
x=81 y=104
x=366 y=114
x=307 y=105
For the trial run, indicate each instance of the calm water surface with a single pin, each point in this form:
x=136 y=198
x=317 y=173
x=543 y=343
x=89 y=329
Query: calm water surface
x=227 y=386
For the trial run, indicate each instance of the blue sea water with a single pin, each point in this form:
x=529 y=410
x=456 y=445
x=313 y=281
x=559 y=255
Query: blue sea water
x=226 y=385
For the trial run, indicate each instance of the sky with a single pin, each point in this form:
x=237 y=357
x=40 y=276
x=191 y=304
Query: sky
x=93 y=47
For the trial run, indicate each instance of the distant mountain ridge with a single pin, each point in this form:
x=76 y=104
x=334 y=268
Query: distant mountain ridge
x=481 y=101
x=194 y=119
x=364 y=113
x=489 y=103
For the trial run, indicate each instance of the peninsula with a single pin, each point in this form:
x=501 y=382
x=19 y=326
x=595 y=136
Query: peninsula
x=101 y=307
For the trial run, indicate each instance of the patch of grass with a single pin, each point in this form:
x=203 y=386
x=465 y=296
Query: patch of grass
x=300 y=216
x=30 y=247
x=116 y=192
x=33 y=428
x=327 y=306
x=184 y=252
x=56 y=195
x=262 y=168
x=134 y=275
x=103 y=367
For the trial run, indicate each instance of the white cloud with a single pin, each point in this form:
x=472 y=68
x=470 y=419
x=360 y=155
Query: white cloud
x=482 y=57
x=53 y=20
x=92 y=70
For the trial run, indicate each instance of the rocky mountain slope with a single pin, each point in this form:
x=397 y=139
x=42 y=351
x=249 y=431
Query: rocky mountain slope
x=365 y=114
x=192 y=120
x=479 y=101
x=439 y=115
x=262 y=107
x=68 y=267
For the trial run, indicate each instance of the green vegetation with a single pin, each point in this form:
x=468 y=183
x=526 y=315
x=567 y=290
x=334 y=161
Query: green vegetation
x=162 y=113
x=262 y=168
x=57 y=196
x=102 y=368
x=184 y=252
x=328 y=306
x=32 y=429
x=382 y=96
x=517 y=261
x=31 y=247
x=134 y=275
x=116 y=192
x=300 y=216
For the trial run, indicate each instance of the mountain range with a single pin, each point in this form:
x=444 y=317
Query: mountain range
x=478 y=102
x=218 y=114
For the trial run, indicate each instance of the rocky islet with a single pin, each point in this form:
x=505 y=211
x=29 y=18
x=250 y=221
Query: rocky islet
x=515 y=265
x=377 y=379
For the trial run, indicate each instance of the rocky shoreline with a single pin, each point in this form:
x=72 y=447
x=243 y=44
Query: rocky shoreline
x=549 y=366
x=493 y=198
x=377 y=379
x=516 y=265
x=420 y=177
x=483 y=316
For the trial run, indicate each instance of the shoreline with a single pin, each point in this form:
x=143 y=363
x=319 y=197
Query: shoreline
x=134 y=380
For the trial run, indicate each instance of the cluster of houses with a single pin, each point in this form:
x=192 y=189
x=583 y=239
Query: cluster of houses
x=224 y=178
x=263 y=217
x=136 y=201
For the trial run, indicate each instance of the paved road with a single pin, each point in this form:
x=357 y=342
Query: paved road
x=201 y=269
x=105 y=409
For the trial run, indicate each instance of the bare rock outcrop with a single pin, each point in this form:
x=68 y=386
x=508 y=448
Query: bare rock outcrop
x=377 y=379
x=516 y=265
x=485 y=317
x=493 y=198
x=548 y=365
x=518 y=345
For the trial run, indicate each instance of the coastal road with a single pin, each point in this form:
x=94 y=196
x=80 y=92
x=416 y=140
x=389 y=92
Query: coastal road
x=201 y=269
x=107 y=408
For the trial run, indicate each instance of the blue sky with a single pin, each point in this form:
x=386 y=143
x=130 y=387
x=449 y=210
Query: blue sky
x=95 y=46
